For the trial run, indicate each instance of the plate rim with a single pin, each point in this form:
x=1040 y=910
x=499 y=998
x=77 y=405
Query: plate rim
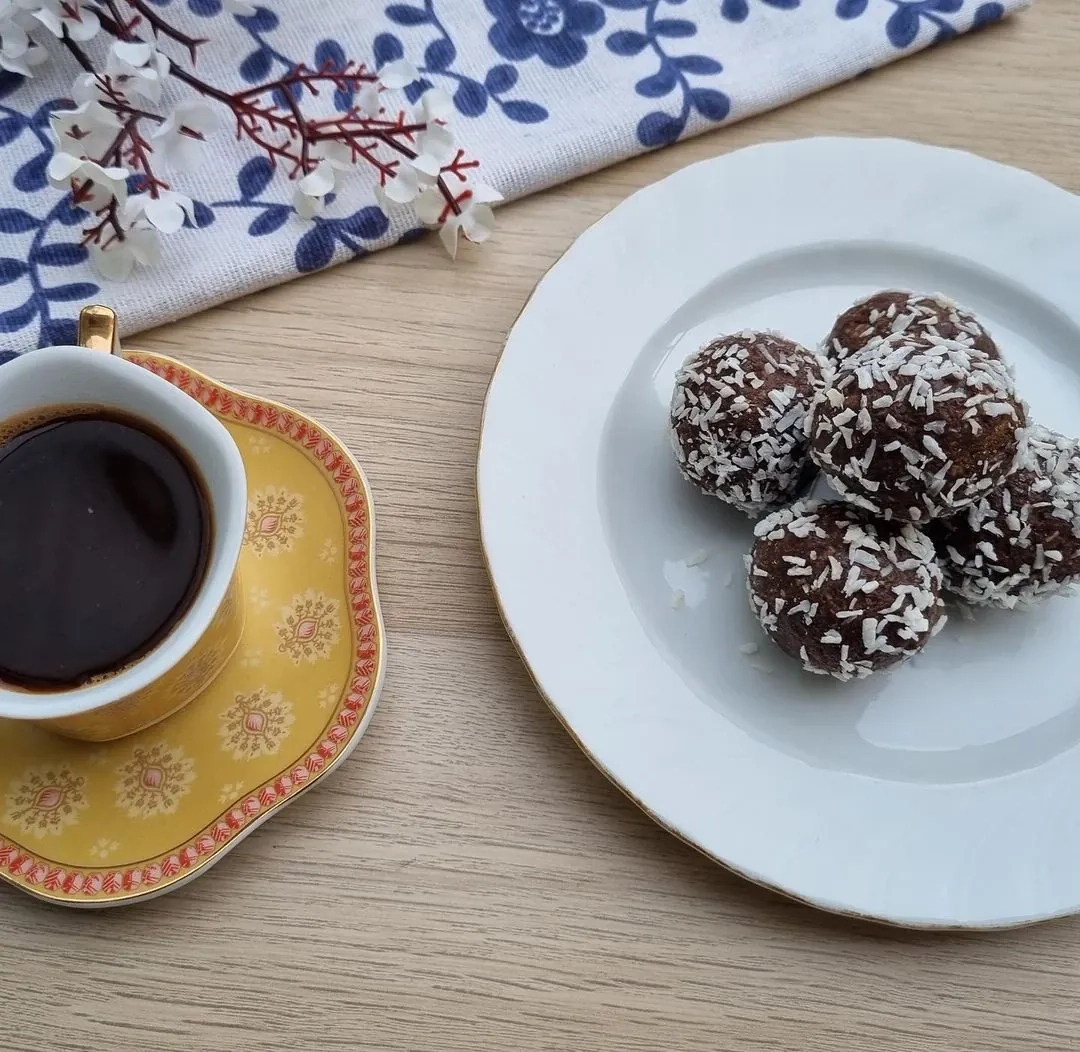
x=824 y=905
x=80 y=899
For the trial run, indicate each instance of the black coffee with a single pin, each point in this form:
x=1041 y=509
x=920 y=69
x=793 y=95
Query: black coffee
x=105 y=535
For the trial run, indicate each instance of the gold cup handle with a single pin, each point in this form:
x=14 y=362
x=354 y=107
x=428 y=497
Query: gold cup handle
x=98 y=329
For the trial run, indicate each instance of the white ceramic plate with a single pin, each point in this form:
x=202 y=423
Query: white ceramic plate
x=942 y=795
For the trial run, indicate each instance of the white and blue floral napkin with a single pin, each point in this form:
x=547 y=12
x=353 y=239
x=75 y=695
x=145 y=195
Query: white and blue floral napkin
x=544 y=90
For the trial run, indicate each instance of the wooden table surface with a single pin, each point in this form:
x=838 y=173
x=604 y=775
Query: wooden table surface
x=468 y=880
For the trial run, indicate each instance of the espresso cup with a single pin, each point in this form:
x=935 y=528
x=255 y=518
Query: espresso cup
x=200 y=643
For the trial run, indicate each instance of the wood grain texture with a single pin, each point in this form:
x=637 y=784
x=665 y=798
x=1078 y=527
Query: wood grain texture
x=468 y=880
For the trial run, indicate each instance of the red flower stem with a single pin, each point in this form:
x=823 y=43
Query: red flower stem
x=77 y=52
x=122 y=110
x=340 y=126
x=309 y=79
x=200 y=85
x=250 y=117
x=164 y=27
x=115 y=151
x=305 y=146
x=123 y=29
x=92 y=235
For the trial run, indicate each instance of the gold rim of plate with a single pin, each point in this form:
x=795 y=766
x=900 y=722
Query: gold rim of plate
x=25 y=861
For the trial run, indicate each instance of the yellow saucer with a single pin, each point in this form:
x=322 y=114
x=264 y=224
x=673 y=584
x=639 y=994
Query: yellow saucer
x=99 y=825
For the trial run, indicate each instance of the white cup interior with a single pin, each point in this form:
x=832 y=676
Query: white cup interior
x=65 y=376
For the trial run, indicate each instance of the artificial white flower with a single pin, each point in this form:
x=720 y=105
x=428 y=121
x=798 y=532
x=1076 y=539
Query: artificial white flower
x=339 y=155
x=368 y=101
x=14 y=46
x=166 y=212
x=476 y=222
x=87 y=131
x=71 y=18
x=311 y=190
x=429 y=206
x=482 y=194
x=434 y=105
x=182 y=134
x=137 y=67
x=92 y=187
x=87 y=87
x=319 y=182
x=18 y=51
x=306 y=206
x=434 y=149
x=398 y=74
x=141 y=244
x=402 y=189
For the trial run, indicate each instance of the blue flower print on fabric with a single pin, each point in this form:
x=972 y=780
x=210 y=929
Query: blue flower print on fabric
x=203 y=8
x=909 y=17
x=471 y=96
x=317 y=245
x=36 y=261
x=739 y=10
x=672 y=75
x=38 y=244
x=552 y=30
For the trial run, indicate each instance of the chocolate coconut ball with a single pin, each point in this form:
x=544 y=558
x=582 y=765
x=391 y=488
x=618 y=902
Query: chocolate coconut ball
x=908 y=316
x=911 y=431
x=737 y=418
x=1020 y=544
x=845 y=595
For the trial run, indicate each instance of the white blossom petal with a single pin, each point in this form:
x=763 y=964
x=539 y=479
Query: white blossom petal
x=127 y=54
x=148 y=84
x=62 y=166
x=35 y=56
x=87 y=131
x=338 y=154
x=308 y=207
x=478 y=223
x=87 y=88
x=181 y=136
x=435 y=148
x=318 y=183
x=94 y=187
x=368 y=101
x=168 y=210
x=15 y=65
x=448 y=235
x=14 y=40
x=70 y=18
x=483 y=194
x=195 y=116
x=115 y=262
x=398 y=74
x=137 y=68
x=435 y=105
x=145 y=244
x=429 y=206
x=133 y=209
x=404 y=187
x=83 y=28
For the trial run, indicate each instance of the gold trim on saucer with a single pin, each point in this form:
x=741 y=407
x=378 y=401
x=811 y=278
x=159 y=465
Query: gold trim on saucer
x=94 y=825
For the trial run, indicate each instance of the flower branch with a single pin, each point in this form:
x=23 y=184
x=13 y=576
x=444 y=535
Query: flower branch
x=109 y=146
